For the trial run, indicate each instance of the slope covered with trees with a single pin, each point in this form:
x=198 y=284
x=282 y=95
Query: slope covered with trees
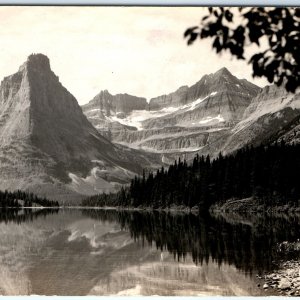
x=268 y=173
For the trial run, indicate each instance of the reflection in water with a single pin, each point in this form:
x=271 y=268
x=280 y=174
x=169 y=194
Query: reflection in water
x=248 y=246
x=18 y=215
x=98 y=252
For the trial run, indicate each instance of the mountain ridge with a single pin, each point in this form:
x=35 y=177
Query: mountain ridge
x=215 y=102
x=47 y=142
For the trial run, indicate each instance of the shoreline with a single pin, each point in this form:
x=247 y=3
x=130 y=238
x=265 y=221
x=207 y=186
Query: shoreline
x=285 y=281
x=140 y=209
x=251 y=206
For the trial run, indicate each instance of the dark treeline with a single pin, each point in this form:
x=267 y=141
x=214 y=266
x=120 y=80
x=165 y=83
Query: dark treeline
x=18 y=216
x=268 y=173
x=23 y=199
x=102 y=200
x=249 y=248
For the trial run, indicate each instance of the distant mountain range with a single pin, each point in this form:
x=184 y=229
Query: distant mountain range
x=218 y=113
x=53 y=147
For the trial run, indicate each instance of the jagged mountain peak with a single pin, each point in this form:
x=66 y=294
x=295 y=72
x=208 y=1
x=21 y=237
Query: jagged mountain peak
x=222 y=81
x=110 y=104
x=223 y=71
x=39 y=59
x=46 y=142
x=223 y=75
x=104 y=93
x=182 y=88
x=36 y=61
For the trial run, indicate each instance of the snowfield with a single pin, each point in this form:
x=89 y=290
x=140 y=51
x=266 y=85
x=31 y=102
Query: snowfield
x=95 y=183
x=137 y=117
x=209 y=119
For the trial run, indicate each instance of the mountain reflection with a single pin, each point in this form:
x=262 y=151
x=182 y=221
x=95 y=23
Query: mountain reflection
x=250 y=246
x=108 y=252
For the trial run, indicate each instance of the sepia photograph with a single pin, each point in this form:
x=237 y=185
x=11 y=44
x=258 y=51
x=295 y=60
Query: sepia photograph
x=149 y=151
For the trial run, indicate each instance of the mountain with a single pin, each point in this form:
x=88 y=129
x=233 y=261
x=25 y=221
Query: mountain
x=183 y=121
x=272 y=115
x=290 y=133
x=47 y=144
x=117 y=104
x=220 y=82
x=104 y=110
x=50 y=147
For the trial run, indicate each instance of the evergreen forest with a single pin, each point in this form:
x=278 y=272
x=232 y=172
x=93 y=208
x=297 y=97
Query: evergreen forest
x=269 y=173
x=20 y=199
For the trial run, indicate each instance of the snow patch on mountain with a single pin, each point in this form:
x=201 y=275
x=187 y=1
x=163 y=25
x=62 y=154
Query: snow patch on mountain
x=137 y=117
x=102 y=179
x=90 y=185
x=138 y=146
x=209 y=119
x=193 y=105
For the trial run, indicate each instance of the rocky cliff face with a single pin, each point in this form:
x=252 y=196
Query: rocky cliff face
x=105 y=110
x=267 y=114
x=48 y=145
x=290 y=133
x=115 y=104
x=218 y=113
x=222 y=82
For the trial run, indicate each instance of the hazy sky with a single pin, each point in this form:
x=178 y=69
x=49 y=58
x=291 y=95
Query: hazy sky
x=134 y=50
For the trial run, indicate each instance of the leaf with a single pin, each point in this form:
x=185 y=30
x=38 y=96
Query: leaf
x=217 y=44
x=270 y=76
x=189 y=31
x=192 y=38
x=228 y=15
x=281 y=28
x=256 y=57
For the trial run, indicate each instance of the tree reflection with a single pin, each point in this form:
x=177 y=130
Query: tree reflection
x=18 y=216
x=250 y=247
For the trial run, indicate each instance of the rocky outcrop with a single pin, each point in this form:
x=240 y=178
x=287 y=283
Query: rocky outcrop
x=175 y=99
x=269 y=113
x=221 y=81
x=120 y=104
x=170 y=139
x=48 y=145
x=287 y=278
x=290 y=133
x=104 y=106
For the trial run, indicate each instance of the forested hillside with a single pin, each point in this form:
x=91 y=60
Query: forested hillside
x=268 y=173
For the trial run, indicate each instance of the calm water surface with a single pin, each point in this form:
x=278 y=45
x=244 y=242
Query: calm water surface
x=97 y=252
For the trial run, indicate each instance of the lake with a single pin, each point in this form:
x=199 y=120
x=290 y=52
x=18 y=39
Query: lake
x=107 y=252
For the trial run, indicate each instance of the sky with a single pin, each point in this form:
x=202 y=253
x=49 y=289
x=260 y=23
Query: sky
x=135 y=50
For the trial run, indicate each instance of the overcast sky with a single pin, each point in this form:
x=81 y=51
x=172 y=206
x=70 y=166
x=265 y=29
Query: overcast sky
x=134 y=50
